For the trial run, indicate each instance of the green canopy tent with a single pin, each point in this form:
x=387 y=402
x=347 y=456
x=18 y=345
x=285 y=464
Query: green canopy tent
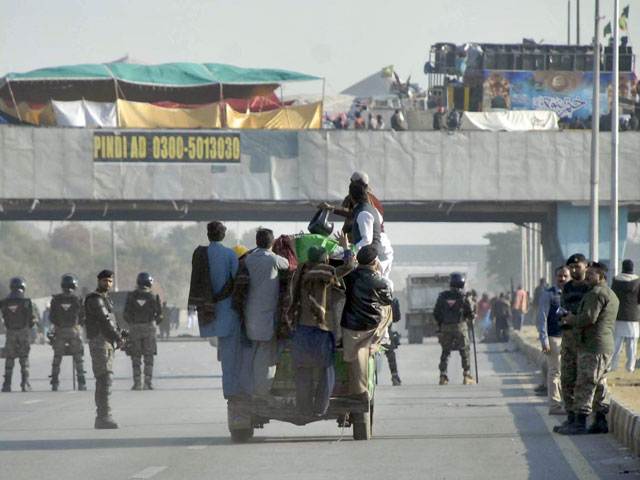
x=187 y=83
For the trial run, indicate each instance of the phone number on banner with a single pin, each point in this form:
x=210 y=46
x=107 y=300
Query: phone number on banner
x=166 y=147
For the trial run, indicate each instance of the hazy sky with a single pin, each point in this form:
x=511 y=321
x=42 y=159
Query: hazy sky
x=343 y=41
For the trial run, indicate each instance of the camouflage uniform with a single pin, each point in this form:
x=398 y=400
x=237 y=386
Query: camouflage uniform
x=67 y=314
x=451 y=312
x=142 y=312
x=102 y=332
x=19 y=319
x=572 y=294
x=594 y=324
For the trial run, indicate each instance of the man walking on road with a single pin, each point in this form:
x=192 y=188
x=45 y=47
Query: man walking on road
x=143 y=312
x=103 y=336
x=452 y=312
x=627 y=288
x=19 y=319
x=551 y=337
x=594 y=324
x=520 y=307
x=67 y=316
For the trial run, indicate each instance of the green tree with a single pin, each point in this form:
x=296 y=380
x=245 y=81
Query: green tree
x=503 y=257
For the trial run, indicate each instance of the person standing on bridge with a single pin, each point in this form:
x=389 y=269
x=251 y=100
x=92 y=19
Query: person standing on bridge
x=143 y=312
x=594 y=325
x=104 y=338
x=19 y=318
x=452 y=312
x=572 y=293
x=67 y=317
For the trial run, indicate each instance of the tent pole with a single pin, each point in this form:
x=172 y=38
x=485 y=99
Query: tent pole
x=223 y=117
x=284 y=105
x=323 y=83
x=13 y=99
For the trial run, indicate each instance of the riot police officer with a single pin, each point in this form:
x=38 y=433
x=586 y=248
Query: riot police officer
x=67 y=317
x=19 y=318
x=104 y=337
x=143 y=312
x=452 y=312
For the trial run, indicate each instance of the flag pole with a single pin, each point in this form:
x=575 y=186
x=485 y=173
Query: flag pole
x=595 y=147
x=613 y=223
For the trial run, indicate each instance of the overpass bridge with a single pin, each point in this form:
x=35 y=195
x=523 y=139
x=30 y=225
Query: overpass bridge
x=85 y=174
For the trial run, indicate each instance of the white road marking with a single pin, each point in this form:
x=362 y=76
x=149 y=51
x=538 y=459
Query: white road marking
x=196 y=447
x=31 y=402
x=147 y=473
x=575 y=459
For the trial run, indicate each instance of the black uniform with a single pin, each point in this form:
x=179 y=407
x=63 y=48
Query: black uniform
x=452 y=310
x=142 y=311
x=67 y=315
x=19 y=319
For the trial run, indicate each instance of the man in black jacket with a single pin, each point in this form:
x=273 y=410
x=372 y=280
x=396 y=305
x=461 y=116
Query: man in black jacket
x=627 y=288
x=103 y=335
x=364 y=320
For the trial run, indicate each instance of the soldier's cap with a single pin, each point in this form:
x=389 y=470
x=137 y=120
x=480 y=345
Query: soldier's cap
x=105 y=274
x=576 y=258
x=317 y=254
x=367 y=255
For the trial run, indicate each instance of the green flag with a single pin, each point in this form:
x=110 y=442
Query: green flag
x=607 y=29
x=623 y=18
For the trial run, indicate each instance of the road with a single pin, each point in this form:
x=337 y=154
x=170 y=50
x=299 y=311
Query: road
x=494 y=430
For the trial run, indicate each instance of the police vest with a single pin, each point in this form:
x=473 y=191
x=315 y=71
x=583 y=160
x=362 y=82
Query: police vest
x=16 y=312
x=141 y=307
x=65 y=310
x=451 y=307
x=356 y=235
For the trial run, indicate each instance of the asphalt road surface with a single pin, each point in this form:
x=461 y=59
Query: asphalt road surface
x=494 y=430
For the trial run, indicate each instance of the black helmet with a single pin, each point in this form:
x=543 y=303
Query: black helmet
x=457 y=280
x=18 y=283
x=144 y=280
x=68 y=281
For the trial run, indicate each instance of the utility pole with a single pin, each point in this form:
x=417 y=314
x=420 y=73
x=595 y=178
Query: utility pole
x=568 y=22
x=114 y=256
x=613 y=220
x=577 y=22
x=595 y=143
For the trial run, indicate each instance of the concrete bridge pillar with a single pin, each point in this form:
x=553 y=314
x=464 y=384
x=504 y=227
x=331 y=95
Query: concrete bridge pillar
x=568 y=233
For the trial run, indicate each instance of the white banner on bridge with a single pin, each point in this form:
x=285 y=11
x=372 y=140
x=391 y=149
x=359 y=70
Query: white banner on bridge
x=510 y=120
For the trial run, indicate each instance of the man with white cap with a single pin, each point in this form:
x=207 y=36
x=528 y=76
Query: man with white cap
x=348 y=204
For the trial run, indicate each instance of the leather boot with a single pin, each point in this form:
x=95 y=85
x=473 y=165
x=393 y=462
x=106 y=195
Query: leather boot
x=570 y=419
x=600 y=425
x=137 y=373
x=82 y=383
x=578 y=427
x=25 y=385
x=137 y=383
x=147 y=383
x=467 y=380
x=395 y=380
x=54 y=383
x=6 y=385
x=105 y=423
x=444 y=380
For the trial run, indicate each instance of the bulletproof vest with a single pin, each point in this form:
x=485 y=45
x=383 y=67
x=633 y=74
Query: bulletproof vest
x=65 y=310
x=142 y=306
x=91 y=321
x=572 y=294
x=356 y=235
x=452 y=306
x=16 y=312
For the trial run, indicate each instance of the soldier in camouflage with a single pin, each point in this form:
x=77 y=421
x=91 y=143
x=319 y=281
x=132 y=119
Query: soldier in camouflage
x=572 y=293
x=452 y=312
x=142 y=311
x=19 y=319
x=594 y=324
x=67 y=317
x=104 y=337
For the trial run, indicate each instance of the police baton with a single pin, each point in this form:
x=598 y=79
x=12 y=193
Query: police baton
x=475 y=355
